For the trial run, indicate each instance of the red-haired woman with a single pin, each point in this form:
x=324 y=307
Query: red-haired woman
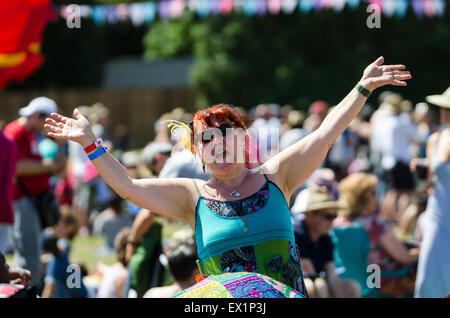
x=240 y=216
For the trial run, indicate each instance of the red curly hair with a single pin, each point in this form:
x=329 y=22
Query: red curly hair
x=220 y=113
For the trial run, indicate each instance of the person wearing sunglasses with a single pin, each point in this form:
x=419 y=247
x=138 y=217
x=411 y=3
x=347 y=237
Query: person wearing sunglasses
x=240 y=215
x=313 y=216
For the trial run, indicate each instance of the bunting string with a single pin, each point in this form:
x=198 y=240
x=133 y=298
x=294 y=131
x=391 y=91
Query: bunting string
x=146 y=12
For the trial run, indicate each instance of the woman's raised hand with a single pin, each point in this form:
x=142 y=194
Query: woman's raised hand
x=78 y=130
x=377 y=75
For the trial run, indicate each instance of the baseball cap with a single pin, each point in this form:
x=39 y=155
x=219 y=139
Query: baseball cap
x=152 y=149
x=41 y=104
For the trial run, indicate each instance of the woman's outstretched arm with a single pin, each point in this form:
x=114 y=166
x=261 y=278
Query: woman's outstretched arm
x=169 y=197
x=296 y=163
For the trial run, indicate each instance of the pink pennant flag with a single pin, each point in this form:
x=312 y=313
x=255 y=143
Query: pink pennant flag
x=176 y=8
x=428 y=8
x=122 y=12
x=379 y=3
x=326 y=4
x=65 y=12
x=274 y=6
x=226 y=6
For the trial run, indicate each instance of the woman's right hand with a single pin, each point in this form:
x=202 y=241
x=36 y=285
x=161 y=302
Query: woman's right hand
x=77 y=130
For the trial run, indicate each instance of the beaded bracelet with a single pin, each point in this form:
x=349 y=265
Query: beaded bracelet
x=97 y=153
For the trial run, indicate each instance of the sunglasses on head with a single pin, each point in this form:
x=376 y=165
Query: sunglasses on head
x=223 y=129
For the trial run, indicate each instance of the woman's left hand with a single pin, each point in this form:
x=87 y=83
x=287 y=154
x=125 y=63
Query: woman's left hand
x=377 y=75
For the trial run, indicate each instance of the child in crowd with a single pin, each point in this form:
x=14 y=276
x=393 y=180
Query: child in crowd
x=62 y=279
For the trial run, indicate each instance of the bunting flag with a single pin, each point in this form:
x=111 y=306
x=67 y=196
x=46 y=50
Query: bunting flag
x=146 y=12
x=21 y=27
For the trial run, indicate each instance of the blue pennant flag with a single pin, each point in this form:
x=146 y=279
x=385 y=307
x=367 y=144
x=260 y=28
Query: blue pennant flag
x=99 y=14
x=305 y=6
x=149 y=11
x=401 y=7
x=353 y=4
x=250 y=7
x=204 y=8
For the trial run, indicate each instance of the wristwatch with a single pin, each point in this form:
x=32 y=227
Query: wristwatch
x=364 y=91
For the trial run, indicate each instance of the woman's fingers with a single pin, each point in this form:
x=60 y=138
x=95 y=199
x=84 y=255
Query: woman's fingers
x=379 y=61
x=387 y=68
x=399 y=83
x=387 y=79
x=59 y=117
x=54 y=123
x=399 y=75
x=56 y=135
x=52 y=128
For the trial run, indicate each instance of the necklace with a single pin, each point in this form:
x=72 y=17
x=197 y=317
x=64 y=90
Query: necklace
x=234 y=193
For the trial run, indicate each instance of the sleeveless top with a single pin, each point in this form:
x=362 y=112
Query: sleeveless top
x=253 y=234
x=439 y=201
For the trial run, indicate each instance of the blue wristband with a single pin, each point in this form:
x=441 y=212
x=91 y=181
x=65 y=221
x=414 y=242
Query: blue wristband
x=97 y=153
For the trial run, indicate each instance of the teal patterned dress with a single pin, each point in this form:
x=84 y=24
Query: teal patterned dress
x=252 y=234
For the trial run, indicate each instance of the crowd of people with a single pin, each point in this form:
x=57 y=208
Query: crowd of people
x=380 y=197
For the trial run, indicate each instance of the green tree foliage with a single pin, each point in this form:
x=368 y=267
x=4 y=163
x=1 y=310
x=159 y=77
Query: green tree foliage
x=298 y=58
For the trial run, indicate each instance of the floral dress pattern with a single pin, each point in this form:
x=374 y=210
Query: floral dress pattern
x=243 y=259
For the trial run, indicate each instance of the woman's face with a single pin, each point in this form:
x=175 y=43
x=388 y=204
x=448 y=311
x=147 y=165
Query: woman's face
x=221 y=146
x=445 y=116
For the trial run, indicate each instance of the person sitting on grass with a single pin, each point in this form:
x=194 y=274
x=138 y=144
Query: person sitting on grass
x=312 y=223
x=62 y=279
x=15 y=282
x=183 y=267
x=56 y=260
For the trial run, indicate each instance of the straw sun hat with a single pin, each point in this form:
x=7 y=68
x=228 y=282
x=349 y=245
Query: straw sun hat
x=442 y=100
x=310 y=200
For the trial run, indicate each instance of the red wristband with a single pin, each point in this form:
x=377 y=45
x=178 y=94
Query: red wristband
x=94 y=145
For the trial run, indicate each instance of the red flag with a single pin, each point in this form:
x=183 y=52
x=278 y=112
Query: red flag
x=21 y=26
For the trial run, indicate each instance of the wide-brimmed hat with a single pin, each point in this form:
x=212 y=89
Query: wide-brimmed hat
x=310 y=200
x=442 y=100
